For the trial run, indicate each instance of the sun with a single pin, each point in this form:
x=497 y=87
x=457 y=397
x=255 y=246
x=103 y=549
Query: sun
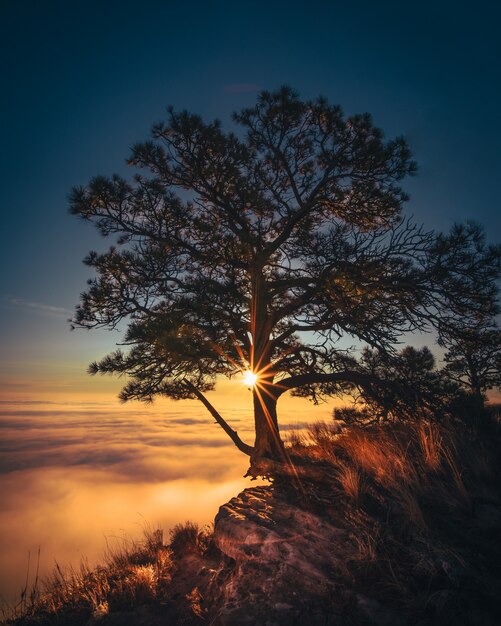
x=250 y=378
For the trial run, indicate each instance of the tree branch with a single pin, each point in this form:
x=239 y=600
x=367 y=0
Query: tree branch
x=243 y=447
x=349 y=376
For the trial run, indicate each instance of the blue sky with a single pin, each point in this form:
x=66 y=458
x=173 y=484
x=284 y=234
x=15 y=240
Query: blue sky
x=83 y=81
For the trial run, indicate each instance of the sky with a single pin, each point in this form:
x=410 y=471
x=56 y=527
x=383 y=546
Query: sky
x=82 y=82
x=85 y=80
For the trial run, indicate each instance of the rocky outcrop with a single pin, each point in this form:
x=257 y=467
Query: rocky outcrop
x=285 y=565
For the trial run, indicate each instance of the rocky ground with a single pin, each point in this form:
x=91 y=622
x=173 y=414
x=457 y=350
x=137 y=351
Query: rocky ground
x=290 y=565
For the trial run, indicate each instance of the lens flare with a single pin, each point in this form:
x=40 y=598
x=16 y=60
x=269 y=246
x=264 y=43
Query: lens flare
x=249 y=378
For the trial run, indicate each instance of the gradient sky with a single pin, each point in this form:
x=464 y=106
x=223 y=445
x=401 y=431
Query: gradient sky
x=84 y=80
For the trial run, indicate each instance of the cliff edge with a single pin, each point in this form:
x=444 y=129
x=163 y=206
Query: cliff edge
x=388 y=526
x=402 y=528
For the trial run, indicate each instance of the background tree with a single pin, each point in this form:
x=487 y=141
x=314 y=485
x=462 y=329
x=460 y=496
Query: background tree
x=261 y=251
x=473 y=361
x=473 y=348
x=407 y=384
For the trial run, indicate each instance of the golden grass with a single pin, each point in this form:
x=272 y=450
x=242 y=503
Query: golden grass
x=189 y=537
x=134 y=573
x=401 y=459
x=350 y=479
x=407 y=492
x=431 y=445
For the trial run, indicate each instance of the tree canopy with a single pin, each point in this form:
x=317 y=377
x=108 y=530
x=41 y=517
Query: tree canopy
x=273 y=248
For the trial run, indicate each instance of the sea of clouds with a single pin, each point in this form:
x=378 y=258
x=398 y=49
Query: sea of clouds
x=76 y=476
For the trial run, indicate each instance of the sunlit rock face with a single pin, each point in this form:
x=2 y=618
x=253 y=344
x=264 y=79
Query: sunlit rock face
x=285 y=562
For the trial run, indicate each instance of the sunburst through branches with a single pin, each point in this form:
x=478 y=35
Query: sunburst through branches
x=249 y=379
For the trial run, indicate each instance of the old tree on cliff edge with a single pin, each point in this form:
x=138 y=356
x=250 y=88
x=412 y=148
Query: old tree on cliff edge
x=260 y=249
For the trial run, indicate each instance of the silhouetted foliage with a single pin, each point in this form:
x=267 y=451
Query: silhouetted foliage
x=263 y=248
x=406 y=386
x=473 y=359
x=473 y=365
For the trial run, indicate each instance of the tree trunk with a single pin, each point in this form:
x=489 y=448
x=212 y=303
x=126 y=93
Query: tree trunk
x=478 y=409
x=269 y=451
x=268 y=442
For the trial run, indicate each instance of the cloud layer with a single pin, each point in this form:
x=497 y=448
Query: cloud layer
x=74 y=473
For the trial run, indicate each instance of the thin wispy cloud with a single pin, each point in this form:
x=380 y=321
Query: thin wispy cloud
x=37 y=307
x=27 y=402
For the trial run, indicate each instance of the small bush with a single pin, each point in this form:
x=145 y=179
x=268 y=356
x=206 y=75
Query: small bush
x=184 y=538
x=190 y=538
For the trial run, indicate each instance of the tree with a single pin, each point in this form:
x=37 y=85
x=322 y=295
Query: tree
x=473 y=352
x=473 y=359
x=406 y=386
x=261 y=250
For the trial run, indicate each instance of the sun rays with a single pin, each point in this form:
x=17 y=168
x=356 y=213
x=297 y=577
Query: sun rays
x=254 y=368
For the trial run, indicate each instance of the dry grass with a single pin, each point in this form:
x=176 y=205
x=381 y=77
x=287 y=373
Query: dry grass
x=431 y=445
x=408 y=493
x=189 y=537
x=350 y=479
x=401 y=460
x=134 y=573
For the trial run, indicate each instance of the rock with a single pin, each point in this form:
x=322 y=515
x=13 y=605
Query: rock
x=285 y=564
